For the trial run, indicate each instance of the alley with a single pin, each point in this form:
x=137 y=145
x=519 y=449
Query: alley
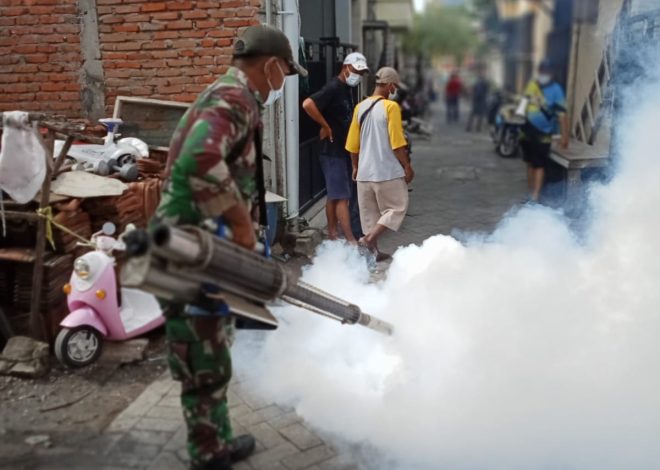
x=460 y=186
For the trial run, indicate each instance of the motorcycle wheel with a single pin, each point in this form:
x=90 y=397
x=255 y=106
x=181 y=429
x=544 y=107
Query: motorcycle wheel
x=508 y=145
x=78 y=347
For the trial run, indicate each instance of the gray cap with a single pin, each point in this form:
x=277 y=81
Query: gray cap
x=264 y=40
x=387 y=75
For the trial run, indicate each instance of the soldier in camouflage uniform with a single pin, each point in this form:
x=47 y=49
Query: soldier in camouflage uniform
x=211 y=168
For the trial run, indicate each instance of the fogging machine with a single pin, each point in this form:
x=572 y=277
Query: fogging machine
x=192 y=266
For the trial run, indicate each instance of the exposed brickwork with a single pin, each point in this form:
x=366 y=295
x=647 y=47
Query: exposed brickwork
x=40 y=56
x=158 y=49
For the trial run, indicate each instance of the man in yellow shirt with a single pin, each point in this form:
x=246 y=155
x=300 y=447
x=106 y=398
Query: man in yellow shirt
x=381 y=165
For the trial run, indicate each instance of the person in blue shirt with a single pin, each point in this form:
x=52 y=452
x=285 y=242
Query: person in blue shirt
x=546 y=115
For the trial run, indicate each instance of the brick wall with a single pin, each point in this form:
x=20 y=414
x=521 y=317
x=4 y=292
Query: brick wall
x=40 y=56
x=158 y=49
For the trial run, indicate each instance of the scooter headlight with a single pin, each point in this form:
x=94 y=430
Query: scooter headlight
x=82 y=269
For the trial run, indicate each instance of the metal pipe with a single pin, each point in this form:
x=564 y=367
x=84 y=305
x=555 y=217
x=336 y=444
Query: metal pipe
x=290 y=27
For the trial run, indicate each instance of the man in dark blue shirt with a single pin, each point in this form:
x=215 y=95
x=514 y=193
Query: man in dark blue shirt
x=332 y=108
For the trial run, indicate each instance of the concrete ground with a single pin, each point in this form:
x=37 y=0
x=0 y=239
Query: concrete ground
x=461 y=185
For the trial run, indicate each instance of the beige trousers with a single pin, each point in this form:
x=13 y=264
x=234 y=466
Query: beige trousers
x=384 y=203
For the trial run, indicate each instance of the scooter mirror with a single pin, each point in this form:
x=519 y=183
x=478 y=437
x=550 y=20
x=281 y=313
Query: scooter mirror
x=108 y=229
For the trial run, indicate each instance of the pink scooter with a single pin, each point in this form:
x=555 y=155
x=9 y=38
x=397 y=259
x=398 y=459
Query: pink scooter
x=95 y=310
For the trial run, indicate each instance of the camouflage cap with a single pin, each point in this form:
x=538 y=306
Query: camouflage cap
x=264 y=40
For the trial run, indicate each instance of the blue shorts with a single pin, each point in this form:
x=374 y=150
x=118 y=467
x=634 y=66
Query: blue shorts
x=337 y=171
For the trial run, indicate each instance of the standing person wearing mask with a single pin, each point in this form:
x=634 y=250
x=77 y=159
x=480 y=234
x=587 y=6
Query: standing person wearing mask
x=214 y=171
x=381 y=165
x=546 y=114
x=332 y=108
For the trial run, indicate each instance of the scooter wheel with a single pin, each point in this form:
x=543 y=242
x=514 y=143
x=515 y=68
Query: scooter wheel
x=78 y=347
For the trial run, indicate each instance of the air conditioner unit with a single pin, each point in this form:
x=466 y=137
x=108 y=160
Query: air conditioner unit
x=586 y=11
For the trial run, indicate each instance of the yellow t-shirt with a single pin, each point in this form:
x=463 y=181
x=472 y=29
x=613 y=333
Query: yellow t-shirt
x=375 y=142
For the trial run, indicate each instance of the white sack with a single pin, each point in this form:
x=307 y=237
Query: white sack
x=22 y=158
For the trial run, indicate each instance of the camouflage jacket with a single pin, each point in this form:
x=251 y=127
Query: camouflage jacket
x=212 y=159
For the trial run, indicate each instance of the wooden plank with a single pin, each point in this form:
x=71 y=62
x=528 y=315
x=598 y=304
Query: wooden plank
x=37 y=326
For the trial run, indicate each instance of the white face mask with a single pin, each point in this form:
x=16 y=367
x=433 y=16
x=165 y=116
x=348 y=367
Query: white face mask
x=544 y=78
x=353 y=79
x=393 y=95
x=273 y=94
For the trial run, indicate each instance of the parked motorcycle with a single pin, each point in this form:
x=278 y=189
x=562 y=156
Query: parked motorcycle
x=507 y=127
x=96 y=311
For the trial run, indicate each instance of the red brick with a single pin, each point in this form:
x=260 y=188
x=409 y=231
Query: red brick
x=116 y=73
x=184 y=43
x=167 y=15
x=7 y=21
x=157 y=81
x=108 y=2
x=6 y=78
x=36 y=59
x=171 y=89
x=184 y=62
x=223 y=13
x=224 y=42
x=127 y=28
x=127 y=46
x=202 y=4
x=26 y=68
x=153 y=6
x=168 y=54
x=207 y=42
x=232 y=4
x=193 y=34
x=187 y=53
x=205 y=79
x=136 y=18
x=184 y=97
x=222 y=33
x=150 y=45
x=121 y=37
x=127 y=65
x=53 y=86
x=124 y=9
x=14 y=11
x=166 y=35
x=171 y=72
x=152 y=26
x=111 y=19
x=139 y=56
x=50 y=68
x=195 y=15
x=180 y=5
x=67 y=28
x=49 y=19
x=236 y=23
x=207 y=24
x=113 y=56
x=153 y=64
x=180 y=24
x=247 y=12
x=25 y=49
x=203 y=61
x=10 y=59
x=27 y=20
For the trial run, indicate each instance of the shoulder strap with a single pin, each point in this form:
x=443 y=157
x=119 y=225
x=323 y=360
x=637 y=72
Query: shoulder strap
x=261 y=183
x=366 y=113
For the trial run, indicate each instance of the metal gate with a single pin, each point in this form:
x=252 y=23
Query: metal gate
x=324 y=59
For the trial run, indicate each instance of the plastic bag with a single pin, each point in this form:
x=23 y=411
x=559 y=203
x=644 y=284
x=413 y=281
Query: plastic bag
x=22 y=158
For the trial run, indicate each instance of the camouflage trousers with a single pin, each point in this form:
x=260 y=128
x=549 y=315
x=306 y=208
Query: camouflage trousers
x=198 y=356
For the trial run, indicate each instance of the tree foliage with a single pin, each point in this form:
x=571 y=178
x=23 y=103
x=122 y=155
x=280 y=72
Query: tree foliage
x=442 y=31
